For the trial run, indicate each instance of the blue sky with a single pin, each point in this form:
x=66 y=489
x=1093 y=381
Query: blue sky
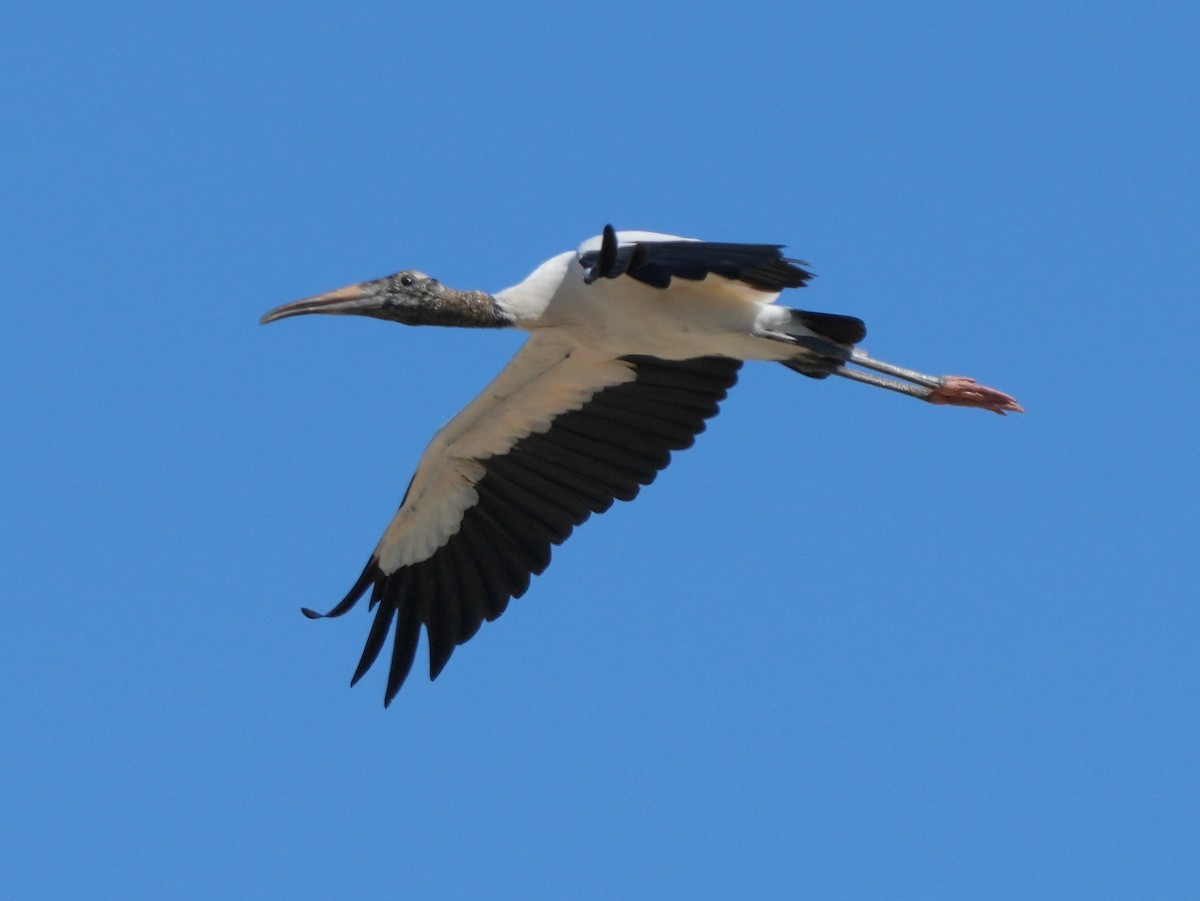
x=847 y=645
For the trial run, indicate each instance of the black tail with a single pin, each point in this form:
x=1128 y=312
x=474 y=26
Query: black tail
x=823 y=340
x=835 y=327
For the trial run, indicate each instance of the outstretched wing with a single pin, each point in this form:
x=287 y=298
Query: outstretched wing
x=557 y=436
x=656 y=259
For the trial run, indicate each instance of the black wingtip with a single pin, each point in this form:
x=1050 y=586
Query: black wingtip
x=375 y=640
x=602 y=263
x=608 y=253
x=438 y=663
x=369 y=574
x=404 y=649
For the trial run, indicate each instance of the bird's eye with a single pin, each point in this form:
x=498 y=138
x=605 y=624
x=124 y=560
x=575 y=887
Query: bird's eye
x=406 y=280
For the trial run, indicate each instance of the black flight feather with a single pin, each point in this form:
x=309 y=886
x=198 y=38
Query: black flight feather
x=530 y=499
x=655 y=263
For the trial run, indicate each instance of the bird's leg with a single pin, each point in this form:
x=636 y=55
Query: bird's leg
x=956 y=390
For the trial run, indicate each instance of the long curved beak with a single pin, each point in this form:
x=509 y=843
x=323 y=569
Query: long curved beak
x=363 y=299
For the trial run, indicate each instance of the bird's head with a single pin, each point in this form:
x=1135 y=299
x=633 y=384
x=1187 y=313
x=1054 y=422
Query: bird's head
x=410 y=297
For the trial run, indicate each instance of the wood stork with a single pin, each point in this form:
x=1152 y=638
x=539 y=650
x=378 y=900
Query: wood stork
x=634 y=339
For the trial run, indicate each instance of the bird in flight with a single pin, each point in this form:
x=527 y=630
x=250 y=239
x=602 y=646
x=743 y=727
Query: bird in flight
x=633 y=341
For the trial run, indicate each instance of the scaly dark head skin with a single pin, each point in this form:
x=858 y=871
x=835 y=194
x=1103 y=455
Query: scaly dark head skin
x=409 y=297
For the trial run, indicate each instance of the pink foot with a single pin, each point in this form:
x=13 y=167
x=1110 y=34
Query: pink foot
x=960 y=391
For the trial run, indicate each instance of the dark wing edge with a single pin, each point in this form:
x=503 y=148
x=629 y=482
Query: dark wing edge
x=531 y=498
x=655 y=263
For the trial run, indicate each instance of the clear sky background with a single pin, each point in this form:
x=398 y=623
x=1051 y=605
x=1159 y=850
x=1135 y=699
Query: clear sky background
x=847 y=645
